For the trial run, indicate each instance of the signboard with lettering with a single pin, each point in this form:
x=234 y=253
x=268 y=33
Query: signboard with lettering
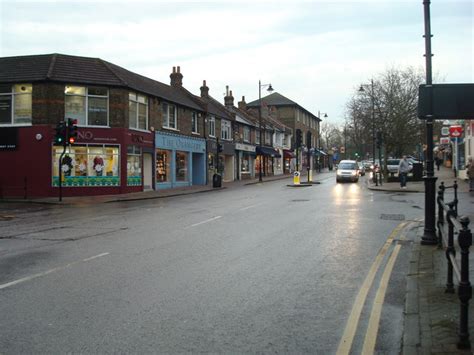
x=9 y=138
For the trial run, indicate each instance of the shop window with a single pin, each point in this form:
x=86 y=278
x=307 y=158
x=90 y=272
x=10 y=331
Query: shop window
x=169 y=116
x=163 y=166
x=87 y=165
x=245 y=164
x=226 y=130
x=16 y=104
x=194 y=122
x=246 y=134
x=137 y=111
x=88 y=105
x=134 y=165
x=181 y=166
x=212 y=126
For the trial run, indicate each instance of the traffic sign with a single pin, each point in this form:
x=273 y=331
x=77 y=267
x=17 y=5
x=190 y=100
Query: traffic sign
x=444 y=140
x=455 y=131
x=444 y=131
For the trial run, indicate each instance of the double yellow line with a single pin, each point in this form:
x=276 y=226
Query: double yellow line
x=353 y=321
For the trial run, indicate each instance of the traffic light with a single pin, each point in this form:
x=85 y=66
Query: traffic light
x=71 y=130
x=220 y=148
x=308 y=139
x=60 y=137
x=298 y=138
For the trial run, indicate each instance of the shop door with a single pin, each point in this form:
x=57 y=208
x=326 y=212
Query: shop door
x=147 y=171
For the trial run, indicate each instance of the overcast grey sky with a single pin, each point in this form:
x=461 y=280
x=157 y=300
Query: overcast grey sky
x=316 y=53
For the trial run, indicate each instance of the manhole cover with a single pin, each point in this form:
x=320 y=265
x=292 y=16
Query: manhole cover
x=393 y=217
x=301 y=200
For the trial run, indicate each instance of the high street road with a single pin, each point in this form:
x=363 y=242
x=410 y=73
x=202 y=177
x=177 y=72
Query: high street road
x=260 y=268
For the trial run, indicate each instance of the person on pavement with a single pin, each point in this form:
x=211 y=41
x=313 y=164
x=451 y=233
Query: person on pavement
x=403 y=169
x=470 y=173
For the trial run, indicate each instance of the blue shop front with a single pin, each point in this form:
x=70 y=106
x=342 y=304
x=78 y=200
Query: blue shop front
x=180 y=160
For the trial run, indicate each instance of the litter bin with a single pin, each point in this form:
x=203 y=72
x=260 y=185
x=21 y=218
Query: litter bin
x=417 y=171
x=216 y=180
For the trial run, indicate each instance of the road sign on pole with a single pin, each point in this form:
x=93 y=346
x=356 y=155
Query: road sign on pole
x=455 y=131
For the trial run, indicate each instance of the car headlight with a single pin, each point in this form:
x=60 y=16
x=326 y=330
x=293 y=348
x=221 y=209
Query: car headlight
x=371 y=167
x=354 y=172
x=339 y=172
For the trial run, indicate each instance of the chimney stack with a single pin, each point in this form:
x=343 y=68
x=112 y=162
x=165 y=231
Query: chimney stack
x=242 y=104
x=228 y=99
x=176 y=77
x=204 y=90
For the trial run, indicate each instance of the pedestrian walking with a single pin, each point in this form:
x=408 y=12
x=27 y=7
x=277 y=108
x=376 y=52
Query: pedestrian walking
x=403 y=170
x=438 y=162
x=470 y=173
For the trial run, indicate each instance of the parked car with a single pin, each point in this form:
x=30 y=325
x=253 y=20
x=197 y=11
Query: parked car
x=347 y=170
x=392 y=166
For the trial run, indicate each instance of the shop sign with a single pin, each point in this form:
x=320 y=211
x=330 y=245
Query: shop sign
x=9 y=138
x=444 y=140
x=245 y=147
x=444 y=131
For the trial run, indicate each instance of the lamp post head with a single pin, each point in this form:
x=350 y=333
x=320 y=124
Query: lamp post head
x=270 y=89
x=361 y=89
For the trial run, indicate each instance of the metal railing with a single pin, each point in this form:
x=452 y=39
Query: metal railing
x=460 y=225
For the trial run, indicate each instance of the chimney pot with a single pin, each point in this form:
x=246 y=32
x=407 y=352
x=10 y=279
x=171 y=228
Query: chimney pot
x=179 y=69
x=174 y=69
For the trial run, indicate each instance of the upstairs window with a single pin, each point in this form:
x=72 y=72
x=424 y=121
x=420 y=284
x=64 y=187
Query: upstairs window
x=15 y=104
x=88 y=105
x=137 y=111
x=212 y=126
x=226 y=130
x=257 y=137
x=169 y=116
x=194 y=122
x=246 y=134
x=268 y=137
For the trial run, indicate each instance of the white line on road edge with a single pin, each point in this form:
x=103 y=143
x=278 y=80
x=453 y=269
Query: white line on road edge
x=206 y=221
x=44 y=273
x=351 y=325
x=248 y=207
x=95 y=257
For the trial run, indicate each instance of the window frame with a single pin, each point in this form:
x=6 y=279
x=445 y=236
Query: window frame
x=246 y=134
x=195 y=122
x=88 y=96
x=212 y=126
x=137 y=102
x=13 y=98
x=226 y=130
x=166 y=115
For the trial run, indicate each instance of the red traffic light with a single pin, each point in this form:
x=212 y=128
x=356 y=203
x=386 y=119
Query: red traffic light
x=72 y=140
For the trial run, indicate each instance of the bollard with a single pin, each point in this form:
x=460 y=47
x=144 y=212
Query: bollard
x=450 y=250
x=440 y=214
x=455 y=186
x=464 y=288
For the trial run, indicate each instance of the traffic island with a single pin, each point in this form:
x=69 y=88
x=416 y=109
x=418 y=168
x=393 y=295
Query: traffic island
x=299 y=185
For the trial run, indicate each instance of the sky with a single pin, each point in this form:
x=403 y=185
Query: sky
x=317 y=53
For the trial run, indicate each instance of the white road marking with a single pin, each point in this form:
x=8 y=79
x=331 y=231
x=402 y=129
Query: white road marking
x=248 y=207
x=206 y=221
x=95 y=257
x=44 y=273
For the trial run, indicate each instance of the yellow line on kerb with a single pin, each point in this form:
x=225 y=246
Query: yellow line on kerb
x=351 y=326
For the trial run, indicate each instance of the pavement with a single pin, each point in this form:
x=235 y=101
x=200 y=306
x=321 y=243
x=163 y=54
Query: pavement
x=431 y=315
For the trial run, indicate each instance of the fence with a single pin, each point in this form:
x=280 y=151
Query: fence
x=458 y=267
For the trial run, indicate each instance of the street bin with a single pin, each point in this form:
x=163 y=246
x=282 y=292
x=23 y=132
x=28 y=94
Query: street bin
x=417 y=171
x=216 y=180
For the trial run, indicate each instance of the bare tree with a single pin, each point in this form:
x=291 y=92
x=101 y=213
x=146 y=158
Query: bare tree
x=394 y=99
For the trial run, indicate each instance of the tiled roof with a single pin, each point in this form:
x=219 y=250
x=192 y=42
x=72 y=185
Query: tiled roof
x=276 y=99
x=88 y=71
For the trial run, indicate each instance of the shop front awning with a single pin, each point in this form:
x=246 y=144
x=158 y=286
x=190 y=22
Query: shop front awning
x=288 y=154
x=319 y=152
x=268 y=151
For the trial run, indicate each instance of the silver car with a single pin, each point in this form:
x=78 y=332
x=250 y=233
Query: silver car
x=347 y=170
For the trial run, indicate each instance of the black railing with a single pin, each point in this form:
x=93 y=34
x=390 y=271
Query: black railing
x=460 y=225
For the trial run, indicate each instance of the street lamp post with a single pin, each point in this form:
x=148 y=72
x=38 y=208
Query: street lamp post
x=319 y=137
x=270 y=89
x=372 y=100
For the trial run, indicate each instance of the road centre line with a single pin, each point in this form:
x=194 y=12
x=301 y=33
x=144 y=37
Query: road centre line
x=248 y=207
x=351 y=326
x=206 y=221
x=373 y=327
x=44 y=273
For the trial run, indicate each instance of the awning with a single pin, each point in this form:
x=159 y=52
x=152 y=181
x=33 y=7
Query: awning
x=319 y=152
x=268 y=151
x=288 y=154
